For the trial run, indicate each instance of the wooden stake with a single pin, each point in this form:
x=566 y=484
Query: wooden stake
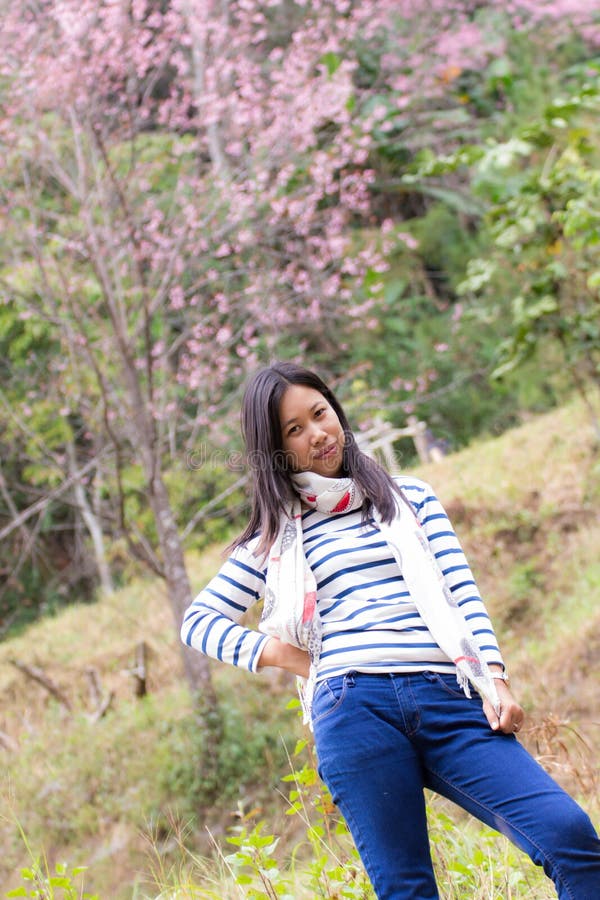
x=140 y=670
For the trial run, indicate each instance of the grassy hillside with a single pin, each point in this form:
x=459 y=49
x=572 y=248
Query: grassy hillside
x=115 y=792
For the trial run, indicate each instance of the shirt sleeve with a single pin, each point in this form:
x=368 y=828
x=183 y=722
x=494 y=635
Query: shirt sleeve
x=453 y=564
x=211 y=622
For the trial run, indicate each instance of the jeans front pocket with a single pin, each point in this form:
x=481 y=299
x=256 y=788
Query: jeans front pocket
x=447 y=682
x=329 y=696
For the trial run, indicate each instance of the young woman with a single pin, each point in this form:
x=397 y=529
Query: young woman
x=369 y=599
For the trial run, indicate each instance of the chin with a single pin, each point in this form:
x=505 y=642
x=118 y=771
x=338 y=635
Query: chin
x=331 y=472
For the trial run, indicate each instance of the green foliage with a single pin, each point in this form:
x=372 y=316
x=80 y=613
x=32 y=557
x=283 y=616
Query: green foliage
x=544 y=226
x=62 y=884
x=427 y=357
x=334 y=870
x=34 y=592
x=480 y=862
x=154 y=160
x=245 y=748
x=254 y=860
x=39 y=881
x=200 y=483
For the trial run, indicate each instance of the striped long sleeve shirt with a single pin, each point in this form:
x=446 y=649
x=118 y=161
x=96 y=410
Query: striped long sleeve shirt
x=369 y=620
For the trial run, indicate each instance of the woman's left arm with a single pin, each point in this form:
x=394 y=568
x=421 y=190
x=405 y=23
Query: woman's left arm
x=458 y=576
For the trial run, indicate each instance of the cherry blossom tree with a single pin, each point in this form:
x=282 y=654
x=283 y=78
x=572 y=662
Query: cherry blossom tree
x=151 y=225
x=190 y=187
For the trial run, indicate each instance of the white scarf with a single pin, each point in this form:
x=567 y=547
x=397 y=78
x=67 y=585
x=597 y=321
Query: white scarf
x=290 y=610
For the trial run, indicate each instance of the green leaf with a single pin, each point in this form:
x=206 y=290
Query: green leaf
x=60 y=881
x=593 y=281
x=300 y=745
x=332 y=61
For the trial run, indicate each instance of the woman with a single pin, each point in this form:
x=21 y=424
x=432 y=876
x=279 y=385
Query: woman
x=370 y=600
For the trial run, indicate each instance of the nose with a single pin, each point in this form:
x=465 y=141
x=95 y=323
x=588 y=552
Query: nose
x=318 y=434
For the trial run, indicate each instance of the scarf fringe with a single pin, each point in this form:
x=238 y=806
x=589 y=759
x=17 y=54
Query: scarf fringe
x=463 y=682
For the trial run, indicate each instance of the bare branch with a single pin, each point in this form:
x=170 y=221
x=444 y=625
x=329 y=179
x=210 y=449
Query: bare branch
x=199 y=54
x=43 y=502
x=101 y=702
x=8 y=742
x=211 y=505
x=39 y=676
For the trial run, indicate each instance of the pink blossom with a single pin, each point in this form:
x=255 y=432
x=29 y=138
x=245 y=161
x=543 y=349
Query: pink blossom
x=176 y=297
x=223 y=335
x=408 y=239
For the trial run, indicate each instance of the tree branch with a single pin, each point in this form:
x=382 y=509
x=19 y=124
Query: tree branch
x=43 y=502
x=39 y=676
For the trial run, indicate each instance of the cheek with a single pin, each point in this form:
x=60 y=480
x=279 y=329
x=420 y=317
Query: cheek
x=293 y=447
x=296 y=457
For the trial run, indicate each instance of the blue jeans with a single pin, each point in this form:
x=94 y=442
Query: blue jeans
x=381 y=739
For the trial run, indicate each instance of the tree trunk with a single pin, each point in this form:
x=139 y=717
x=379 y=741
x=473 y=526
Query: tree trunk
x=93 y=526
x=196 y=665
x=199 y=41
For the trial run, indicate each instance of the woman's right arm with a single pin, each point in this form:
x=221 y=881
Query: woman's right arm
x=285 y=656
x=211 y=623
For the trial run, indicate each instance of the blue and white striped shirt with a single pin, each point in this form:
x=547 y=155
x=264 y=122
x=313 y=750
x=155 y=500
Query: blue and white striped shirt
x=370 y=623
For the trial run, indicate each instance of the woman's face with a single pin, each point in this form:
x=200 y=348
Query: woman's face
x=312 y=435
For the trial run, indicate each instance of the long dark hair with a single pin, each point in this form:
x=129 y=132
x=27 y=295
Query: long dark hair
x=270 y=470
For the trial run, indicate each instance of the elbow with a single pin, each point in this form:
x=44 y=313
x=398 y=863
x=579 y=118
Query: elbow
x=186 y=631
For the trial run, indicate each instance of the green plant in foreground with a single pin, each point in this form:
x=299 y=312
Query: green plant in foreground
x=254 y=860
x=474 y=861
x=38 y=882
x=334 y=870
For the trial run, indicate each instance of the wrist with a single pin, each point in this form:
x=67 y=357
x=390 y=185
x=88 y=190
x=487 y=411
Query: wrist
x=500 y=675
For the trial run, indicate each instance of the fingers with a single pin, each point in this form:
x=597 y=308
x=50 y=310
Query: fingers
x=490 y=714
x=510 y=720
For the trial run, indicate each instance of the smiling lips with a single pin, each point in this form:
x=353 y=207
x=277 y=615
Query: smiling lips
x=327 y=451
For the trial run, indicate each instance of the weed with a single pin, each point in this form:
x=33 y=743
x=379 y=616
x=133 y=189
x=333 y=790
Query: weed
x=39 y=882
x=62 y=884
